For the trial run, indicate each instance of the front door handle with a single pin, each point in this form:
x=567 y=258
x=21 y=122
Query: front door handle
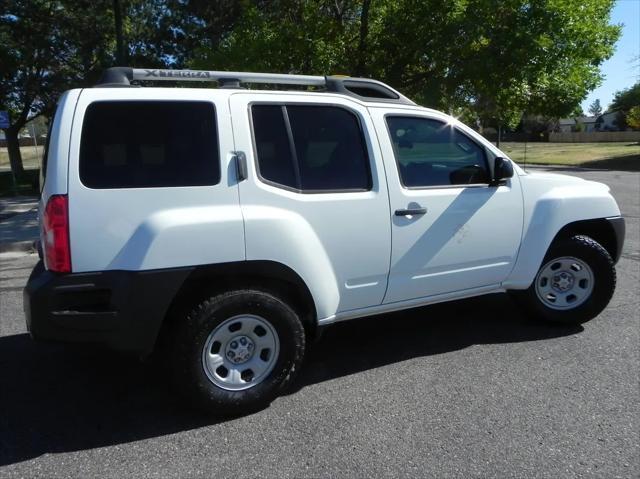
x=411 y=212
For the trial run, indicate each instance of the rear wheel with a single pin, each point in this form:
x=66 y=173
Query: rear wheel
x=236 y=351
x=574 y=284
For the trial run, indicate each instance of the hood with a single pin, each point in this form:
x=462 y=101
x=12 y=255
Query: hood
x=555 y=180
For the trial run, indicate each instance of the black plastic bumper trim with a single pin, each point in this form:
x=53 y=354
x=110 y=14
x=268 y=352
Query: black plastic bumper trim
x=121 y=309
x=619 y=229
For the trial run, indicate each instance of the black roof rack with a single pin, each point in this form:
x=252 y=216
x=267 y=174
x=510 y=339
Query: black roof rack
x=363 y=88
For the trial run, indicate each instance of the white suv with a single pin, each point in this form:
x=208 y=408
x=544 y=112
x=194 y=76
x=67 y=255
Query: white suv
x=228 y=225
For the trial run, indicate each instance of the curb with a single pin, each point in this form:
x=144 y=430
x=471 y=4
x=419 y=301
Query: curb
x=18 y=246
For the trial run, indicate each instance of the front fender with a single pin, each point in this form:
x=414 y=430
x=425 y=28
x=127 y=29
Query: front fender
x=551 y=202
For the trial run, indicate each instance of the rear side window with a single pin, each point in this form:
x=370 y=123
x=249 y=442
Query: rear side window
x=311 y=148
x=147 y=144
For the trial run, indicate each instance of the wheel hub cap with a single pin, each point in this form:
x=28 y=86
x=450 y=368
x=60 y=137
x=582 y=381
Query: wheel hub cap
x=241 y=352
x=562 y=282
x=240 y=349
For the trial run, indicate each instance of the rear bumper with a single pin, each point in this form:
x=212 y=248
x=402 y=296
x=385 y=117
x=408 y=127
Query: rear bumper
x=619 y=228
x=121 y=309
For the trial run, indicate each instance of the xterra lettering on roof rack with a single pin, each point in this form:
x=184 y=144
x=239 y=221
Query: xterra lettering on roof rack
x=157 y=74
x=362 y=88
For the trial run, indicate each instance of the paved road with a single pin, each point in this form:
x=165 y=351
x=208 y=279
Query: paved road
x=468 y=389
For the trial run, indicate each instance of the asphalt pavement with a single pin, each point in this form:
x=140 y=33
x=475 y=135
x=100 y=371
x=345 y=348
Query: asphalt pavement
x=464 y=389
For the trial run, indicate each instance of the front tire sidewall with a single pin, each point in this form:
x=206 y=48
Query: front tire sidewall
x=209 y=315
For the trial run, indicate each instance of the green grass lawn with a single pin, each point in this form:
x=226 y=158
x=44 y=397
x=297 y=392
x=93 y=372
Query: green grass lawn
x=28 y=183
x=30 y=156
x=614 y=156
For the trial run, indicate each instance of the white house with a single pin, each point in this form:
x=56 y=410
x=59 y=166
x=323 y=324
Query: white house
x=606 y=121
x=568 y=125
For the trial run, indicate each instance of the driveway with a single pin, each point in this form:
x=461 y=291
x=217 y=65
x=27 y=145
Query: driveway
x=465 y=389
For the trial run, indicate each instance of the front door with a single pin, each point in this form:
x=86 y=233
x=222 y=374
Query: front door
x=451 y=231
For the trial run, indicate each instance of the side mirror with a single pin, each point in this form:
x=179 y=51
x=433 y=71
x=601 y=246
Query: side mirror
x=502 y=169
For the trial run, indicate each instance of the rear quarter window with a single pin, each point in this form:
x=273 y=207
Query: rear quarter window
x=147 y=144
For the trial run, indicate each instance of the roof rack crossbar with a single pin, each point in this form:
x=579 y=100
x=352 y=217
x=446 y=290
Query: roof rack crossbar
x=123 y=76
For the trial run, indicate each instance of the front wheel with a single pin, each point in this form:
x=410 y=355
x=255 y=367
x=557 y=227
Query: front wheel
x=574 y=284
x=236 y=351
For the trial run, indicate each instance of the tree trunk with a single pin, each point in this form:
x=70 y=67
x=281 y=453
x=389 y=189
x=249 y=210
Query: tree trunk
x=117 y=15
x=364 y=33
x=499 y=135
x=13 y=145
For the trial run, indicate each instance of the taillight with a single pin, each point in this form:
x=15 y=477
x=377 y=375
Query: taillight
x=55 y=225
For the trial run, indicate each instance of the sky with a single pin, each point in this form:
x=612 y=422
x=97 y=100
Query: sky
x=620 y=71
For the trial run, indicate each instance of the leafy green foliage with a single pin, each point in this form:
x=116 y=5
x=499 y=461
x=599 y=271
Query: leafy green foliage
x=499 y=58
x=633 y=118
x=626 y=99
x=47 y=47
x=485 y=60
x=579 y=126
x=623 y=102
x=285 y=36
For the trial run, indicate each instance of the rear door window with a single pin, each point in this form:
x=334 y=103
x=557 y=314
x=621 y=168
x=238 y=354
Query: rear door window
x=311 y=148
x=147 y=144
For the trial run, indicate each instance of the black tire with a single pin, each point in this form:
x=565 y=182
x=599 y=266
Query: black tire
x=191 y=336
x=604 y=283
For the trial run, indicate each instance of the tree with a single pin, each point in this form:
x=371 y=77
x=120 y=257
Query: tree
x=633 y=118
x=578 y=127
x=595 y=109
x=537 y=125
x=539 y=57
x=46 y=47
x=577 y=111
x=623 y=102
x=291 y=37
x=501 y=58
x=491 y=60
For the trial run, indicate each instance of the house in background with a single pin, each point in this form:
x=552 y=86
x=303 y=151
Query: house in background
x=607 y=121
x=567 y=125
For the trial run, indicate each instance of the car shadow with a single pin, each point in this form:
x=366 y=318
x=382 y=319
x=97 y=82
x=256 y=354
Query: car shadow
x=362 y=344
x=56 y=398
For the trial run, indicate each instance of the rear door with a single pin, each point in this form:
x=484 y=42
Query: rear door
x=315 y=193
x=148 y=180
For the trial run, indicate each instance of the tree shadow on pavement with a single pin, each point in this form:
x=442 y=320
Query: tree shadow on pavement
x=620 y=163
x=56 y=398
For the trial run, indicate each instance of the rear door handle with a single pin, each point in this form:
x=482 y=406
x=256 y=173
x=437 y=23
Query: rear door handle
x=411 y=212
